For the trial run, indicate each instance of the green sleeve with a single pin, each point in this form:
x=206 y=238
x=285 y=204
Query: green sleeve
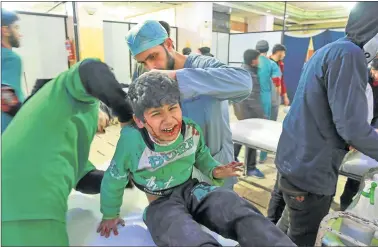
x=84 y=170
x=115 y=180
x=204 y=161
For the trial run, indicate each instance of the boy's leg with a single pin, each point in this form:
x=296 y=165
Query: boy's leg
x=170 y=223
x=224 y=212
x=34 y=233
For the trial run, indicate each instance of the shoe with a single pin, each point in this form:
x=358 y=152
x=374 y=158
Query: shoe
x=255 y=173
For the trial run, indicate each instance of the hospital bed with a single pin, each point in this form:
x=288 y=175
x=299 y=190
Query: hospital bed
x=348 y=228
x=264 y=135
x=84 y=216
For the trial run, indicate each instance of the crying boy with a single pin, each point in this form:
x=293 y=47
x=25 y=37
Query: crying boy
x=158 y=153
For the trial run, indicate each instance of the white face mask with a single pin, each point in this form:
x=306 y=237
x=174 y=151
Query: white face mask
x=371 y=48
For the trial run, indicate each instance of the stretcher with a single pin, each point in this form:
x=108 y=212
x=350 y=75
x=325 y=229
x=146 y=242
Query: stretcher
x=84 y=216
x=263 y=134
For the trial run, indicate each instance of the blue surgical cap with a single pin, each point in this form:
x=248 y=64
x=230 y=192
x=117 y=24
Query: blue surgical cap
x=7 y=17
x=145 y=36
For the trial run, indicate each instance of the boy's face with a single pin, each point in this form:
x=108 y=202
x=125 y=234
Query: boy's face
x=163 y=123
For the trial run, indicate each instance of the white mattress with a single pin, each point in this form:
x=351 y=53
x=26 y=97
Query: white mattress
x=257 y=133
x=84 y=216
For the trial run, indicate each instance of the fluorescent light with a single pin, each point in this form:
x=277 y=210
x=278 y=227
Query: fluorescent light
x=268 y=11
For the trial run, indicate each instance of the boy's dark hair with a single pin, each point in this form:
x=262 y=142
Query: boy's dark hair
x=186 y=51
x=250 y=55
x=277 y=48
x=166 y=27
x=374 y=64
x=152 y=90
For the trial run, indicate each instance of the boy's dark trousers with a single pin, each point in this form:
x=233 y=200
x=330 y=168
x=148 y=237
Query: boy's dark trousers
x=175 y=220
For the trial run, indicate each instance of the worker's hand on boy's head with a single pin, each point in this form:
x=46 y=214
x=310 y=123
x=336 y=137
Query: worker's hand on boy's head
x=171 y=73
x=108 y=226
x=230 y=170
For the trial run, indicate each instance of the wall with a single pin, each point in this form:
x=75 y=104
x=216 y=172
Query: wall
x=194 y=21
x=91 y=39
x=167 y=15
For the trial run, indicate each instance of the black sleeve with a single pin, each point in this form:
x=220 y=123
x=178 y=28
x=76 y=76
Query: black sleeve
x=100 y=82
x=91 y=182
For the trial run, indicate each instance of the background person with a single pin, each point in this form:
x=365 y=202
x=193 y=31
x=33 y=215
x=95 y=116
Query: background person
x=328 y=114
x=250 y=108
x=11 y=67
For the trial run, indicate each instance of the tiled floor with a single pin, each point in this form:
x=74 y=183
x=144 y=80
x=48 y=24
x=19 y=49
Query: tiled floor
x=103 y=148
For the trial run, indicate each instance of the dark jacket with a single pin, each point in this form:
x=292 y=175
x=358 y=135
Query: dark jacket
x=250 y=107
x=329 y=110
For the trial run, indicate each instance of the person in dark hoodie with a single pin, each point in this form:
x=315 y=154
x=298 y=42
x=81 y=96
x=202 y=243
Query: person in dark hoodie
x=328 y=114
x=250 y=107
x=43 y=160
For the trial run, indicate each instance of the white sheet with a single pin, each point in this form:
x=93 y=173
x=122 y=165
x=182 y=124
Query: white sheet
x=257 y=133
x=264 y=134
x=84 y=216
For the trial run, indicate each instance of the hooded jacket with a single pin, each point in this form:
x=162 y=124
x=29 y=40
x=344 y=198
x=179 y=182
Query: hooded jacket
x=46 y=146
x=329 y=110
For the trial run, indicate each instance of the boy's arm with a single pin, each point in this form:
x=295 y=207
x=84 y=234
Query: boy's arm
x=204 y=161
x=115 y=179
x=216 y=80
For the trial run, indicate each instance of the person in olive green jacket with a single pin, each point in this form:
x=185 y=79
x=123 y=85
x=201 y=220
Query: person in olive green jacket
x=46 y=148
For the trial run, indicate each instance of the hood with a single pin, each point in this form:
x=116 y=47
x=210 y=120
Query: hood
x=362 y=23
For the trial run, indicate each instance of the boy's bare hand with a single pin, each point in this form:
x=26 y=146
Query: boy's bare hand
x=107 y=226
x=229 y=170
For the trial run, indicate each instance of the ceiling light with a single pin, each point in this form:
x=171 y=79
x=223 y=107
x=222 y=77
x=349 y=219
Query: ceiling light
x=268 y=11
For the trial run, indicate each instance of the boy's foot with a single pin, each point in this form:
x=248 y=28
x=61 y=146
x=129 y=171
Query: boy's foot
x=255 y=173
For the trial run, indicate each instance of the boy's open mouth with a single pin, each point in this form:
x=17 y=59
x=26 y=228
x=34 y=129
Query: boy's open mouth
x=171 y=130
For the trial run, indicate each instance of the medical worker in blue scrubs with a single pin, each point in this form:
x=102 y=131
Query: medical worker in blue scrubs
x=270 y=79
x=10 y=67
